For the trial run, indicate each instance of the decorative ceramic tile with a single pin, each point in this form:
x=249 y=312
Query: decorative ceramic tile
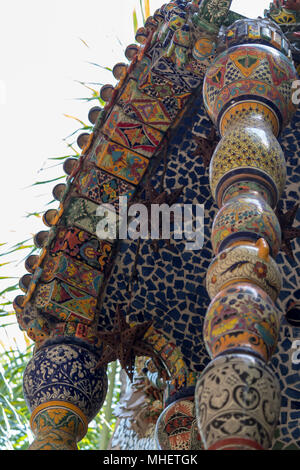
x=184 y=80
x=73 y=272
x=132 y=134
x=171 y=94
x=122 y=162
x=142 y=107
x=83 y=214
x=81 y=246
x=65 y=302
x=141 y=68
x=102 y=188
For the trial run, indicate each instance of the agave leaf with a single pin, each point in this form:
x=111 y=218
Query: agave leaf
x=135 y=21
x=76 y=119
x=47 y=181
x=101 y=66
x=84 y=42
x=142 y=11
x=147 y=8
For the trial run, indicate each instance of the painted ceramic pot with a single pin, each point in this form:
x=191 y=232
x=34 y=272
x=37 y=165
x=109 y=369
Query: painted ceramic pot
x=181 y=386
x=250 y=75
x=244 y=263
x=247 y=186
x=66 y=373
x=241 y=317
x=237 y=404
x=176 y=428
x=248 y=155
x=260 y=31
x=245 y=219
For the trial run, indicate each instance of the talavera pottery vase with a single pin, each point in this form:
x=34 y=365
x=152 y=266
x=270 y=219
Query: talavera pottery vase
x=245 y=218
x=242 y=316
x=176 y=428
x=65 y=372
x=248 y=159
x=237 y=404
x=251 y=76
x=246 y=263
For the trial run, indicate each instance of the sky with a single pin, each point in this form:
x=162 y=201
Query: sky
x=46 y=48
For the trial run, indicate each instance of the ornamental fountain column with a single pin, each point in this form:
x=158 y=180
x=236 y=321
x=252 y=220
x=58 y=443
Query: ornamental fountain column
x=248 y=95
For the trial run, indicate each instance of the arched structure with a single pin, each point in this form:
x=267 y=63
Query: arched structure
x=202 y=115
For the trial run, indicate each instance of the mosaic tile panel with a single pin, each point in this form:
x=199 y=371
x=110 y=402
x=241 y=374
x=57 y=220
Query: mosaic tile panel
x=81 y=246
x=73 y=272
x=65 y=302
x=142 y=107
x=102 y=188
x=82 y=213
x=132 y=134
x=121 y=162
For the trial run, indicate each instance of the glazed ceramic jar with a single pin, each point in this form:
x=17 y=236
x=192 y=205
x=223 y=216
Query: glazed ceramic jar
x=237 y=403
x=65 y=372
x=245 y=218
x=250 y=76
x=244 y=263
x=176 y=428
x=248 y=158
x=241 y=317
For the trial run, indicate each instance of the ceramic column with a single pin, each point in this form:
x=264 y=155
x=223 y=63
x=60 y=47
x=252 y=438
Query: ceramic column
x=247 y=93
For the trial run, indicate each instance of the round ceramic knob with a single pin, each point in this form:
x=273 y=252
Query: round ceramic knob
x=24 y=282
x=151 y=23
x=40 y=239
x=82 y=140
x=204 y=49
x=245 y=263
x=18 y=303
x=31 y=263
x=49 y=218
x=246 y=76
x=158 y=15
x=241 y=317
x=106 y=92
x=141 y=35
x=58 y=191
x=176 y=428
x=119 y=71
x=69 y=165
x=131 y=51
x=248 y=159
x=94 y=114
x=245 y=219
x=237 y=403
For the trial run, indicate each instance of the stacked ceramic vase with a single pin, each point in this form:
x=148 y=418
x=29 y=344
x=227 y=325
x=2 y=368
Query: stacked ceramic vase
x=248 y=95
